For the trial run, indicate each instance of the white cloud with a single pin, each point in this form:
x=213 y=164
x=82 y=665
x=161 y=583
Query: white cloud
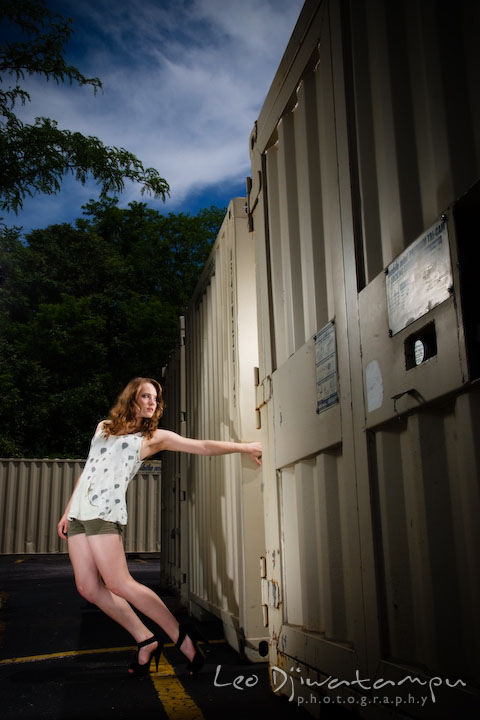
x=183 y=81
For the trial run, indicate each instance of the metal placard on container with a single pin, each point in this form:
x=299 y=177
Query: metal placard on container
x=326 y=367
x=420 y=278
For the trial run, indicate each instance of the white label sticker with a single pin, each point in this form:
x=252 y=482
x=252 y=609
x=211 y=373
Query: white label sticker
x=420 y=278
x=374 y=385
x=326 y=367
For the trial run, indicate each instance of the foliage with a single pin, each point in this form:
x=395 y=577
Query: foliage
x=82 y=310
x=35 y=158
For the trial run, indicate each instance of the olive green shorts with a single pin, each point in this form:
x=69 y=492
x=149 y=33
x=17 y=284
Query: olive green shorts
x=93 y=527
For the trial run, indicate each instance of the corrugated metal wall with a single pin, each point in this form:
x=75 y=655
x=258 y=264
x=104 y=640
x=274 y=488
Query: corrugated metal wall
x=34 y=493
x=366 y=152
x=217 y=503
x=174 y=562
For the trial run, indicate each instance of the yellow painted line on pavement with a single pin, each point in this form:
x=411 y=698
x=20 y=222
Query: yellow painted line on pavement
x=66 y=653
x=176 y=702
x=76 y=653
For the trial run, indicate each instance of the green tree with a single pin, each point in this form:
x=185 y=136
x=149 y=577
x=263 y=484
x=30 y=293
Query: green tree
x=83 y=309
x=35 y=158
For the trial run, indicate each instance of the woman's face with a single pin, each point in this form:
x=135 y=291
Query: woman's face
x=146 y=401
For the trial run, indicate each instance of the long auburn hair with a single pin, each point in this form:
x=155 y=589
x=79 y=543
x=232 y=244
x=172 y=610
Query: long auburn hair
x=123 y=413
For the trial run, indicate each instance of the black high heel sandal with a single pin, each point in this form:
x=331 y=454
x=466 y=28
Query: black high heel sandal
x=142 y=670
x=188 y=630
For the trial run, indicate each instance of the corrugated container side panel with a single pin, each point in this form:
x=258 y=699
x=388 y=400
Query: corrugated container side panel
x=44 y=518
x=416 y=154
x=144 y=496
x=385 y=124
x=279 y=299
x=59 y=472
x=179 y=427
x=209 y=549
x=310 y=214
x=153 y=533
x=289 y=241
x=214 y=481
x=215 y=375
x=338 y=527
x=194 y=382
x=213 y=486
x=169 y=421
x=368 y=176
x=266 y=332
x=314 y=546
x=174 y=545
x=224 y=359
x=43 y=507
x=153 y=487
x=233 y=470
x=192 y=397
x=138 y=517
x=234 y=265
x=464 y=464
x=13 y=478
x=32 y=507
x=203 y=506
x=133 y=526
x=219 y=358
x=239 y=561
x=3 y=503
x=198 y=556
x=330 y=275
x=428 y=538
x=19 y=518
x=175 y=496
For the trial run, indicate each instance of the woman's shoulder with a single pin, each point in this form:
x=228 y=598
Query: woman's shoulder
x=101 y=426
x=155 y=436
x=104 y=426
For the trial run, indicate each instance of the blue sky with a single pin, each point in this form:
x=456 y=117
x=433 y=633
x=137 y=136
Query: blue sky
x=183 y=83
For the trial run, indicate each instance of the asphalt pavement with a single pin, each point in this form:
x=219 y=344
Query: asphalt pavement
x=63 y=659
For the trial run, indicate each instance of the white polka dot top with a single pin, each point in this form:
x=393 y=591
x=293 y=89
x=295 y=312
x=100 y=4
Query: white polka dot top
x=111 y=464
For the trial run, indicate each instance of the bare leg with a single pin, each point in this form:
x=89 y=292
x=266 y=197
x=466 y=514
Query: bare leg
x=92 y=588
x=109 y=558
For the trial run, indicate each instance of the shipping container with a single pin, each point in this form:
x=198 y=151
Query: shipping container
x=213 y=525
x=362 y=201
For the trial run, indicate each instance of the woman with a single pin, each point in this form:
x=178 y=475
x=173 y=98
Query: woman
x=96 y=513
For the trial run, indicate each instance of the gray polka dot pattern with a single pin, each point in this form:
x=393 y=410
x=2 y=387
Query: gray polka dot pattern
x=111 y=464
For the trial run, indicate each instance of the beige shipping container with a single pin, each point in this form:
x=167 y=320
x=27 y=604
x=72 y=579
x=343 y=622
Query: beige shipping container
x=213 y=506
x=363 y=202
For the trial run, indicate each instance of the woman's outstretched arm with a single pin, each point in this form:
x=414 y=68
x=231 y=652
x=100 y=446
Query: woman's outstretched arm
x=168 y=440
